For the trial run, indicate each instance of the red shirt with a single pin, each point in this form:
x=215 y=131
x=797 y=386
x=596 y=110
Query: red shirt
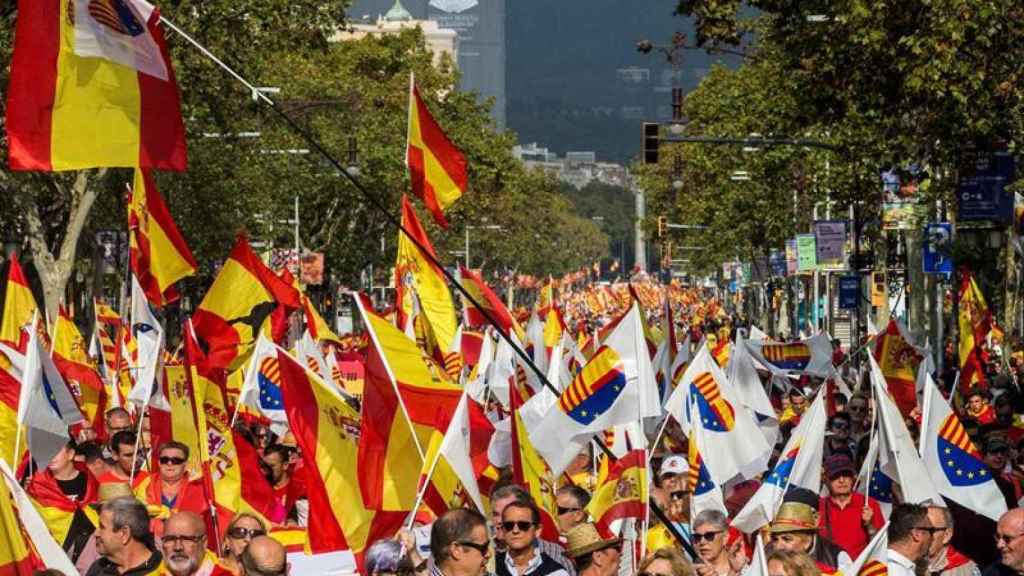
x=843 y=526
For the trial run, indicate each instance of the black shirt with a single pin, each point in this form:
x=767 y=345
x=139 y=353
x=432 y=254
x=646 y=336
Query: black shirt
x=104 y=567
x=81 y=528
x=75 y=488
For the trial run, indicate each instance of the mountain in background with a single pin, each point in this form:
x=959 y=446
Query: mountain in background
x=575 y=80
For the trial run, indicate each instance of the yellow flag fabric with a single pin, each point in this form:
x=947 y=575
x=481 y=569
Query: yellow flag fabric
x=19 y=307
x=16 y=556
x=183 y=414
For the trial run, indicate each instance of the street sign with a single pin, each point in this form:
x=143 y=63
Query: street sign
x=935 y=250
x=806 y=252
x=792 y=263
x=982 y=194
x=849 y=291
x=777 y=258
x=830 y=239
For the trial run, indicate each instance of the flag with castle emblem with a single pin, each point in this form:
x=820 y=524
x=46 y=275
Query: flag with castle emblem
x=622 y=494
x=597 y=399
x=733 y=445
x=952 y=461
x=799 y=465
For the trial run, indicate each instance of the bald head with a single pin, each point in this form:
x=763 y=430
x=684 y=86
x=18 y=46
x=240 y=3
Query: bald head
x=184 y=543
x=1010 y=538
x=186 y=523
x=264 y=556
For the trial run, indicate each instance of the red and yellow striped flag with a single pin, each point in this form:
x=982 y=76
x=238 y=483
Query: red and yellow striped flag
x=622 y=493
x=436 y=167
x=92 y=88
x=70 y=355
x=327 y=431
x=159 y=256
x=19 y=306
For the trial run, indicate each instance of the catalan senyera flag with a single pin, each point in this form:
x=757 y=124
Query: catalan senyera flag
x=622 y=494
x=975 y=322
x=327 y=431
x=436 y=167
x=19 y=307
x=70 y=354
x=158 y=254
x=415 y=271
x=899 y=361
x=92 y=85
x=486 y=298
x=402 y=388
x=244 y=294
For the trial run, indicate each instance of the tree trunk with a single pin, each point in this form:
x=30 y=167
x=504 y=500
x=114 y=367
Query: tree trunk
x=915 y=286
x=55 y=269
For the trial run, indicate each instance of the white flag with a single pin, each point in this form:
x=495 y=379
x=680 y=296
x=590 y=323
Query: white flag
x=118 y=31
x=149 y=336
x=35 y=527
x=45 y=405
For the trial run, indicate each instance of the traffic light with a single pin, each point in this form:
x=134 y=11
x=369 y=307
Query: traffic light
x=662 y=226
x=650 y=142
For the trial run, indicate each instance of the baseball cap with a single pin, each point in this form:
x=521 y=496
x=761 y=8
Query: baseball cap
x=836 y=464
x=674 y=464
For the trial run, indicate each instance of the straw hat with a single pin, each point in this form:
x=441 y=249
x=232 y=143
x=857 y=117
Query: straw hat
x=584 y=538
x=111 y=490
x=795 y=517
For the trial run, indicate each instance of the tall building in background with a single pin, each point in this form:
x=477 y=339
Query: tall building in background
x=480 y=29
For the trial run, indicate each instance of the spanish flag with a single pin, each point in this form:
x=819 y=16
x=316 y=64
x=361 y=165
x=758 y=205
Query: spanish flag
x=92 y=85
x=899 y=361
x=17 y=556
x=244 y=294
x=488 y=300
x=327 y=431
x=406 y=398
x=71 y=357
x=531 y=472
x=622 y=494
x=10 y=391
x=436 y=167
x=416 y=272
x=159 y=256
x=975 y=322
x=19 y=307
x=179 y=423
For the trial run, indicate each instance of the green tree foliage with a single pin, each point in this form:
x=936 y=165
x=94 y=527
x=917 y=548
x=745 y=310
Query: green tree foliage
x=247 y=166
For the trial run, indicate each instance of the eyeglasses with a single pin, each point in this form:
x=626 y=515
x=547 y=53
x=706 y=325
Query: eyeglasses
x=679 y=494
x=840 y=426
x=563 y=510
x=521 y=525
x=481 y=547
x=166 y=460
x=239 y=533
x=705 y=536
x=174 y=539
x=929 y=529
x=1007 y=539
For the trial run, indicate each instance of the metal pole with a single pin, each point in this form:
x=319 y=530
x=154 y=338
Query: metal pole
x=297 y=262
x=467 y=246
x=641 y=214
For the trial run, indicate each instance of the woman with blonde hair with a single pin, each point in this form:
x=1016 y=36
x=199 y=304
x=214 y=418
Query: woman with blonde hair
x=241 y=530
x=665 y=562
x=788 y=563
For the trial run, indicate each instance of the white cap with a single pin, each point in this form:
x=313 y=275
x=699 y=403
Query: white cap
x=674 y=464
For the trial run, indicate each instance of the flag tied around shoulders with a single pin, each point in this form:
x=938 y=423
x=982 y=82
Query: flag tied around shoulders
x=92 y=86
x=19 y=308
x=243 y=296
x=975 y=321
x=954 y=464
x=436 y=167
x=159 y=256
x=327 y=431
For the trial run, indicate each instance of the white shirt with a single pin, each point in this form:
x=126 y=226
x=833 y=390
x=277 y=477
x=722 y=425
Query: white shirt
x=898 y=564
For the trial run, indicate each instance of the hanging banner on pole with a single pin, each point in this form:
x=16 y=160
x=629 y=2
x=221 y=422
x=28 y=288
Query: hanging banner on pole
x=792 y=262
x=849 y=291
x=830 y=241
x=935 y=254
x=806 y=252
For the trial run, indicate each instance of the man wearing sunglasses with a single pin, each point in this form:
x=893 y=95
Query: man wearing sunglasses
x=170 y=489
x=910 y=536
x=459 y=544
x=506 y=494
x=572 y=507
x=520 y=522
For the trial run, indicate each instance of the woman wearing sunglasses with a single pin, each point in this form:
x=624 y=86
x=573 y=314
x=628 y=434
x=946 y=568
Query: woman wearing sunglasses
x=241 y=530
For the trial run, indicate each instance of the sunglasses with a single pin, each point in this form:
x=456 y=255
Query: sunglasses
x=521 y=525
x=482 y=548
x=929 y=529
x=705 y=536
x=239 y=533
x=563 y=510
x=172 y=460
x=679 y=494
